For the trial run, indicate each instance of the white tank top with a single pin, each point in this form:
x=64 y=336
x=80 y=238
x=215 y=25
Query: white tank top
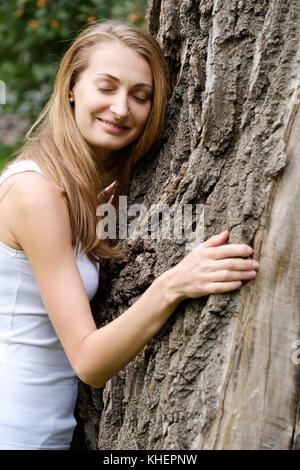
x=38 y=387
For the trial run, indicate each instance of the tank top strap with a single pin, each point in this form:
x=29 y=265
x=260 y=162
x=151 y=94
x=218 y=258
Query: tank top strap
x=18 y=167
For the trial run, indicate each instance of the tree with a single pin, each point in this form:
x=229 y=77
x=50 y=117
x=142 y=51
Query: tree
x=223 y=372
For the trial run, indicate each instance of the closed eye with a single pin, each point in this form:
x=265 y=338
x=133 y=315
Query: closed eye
x=104 y=89
x=140 y=100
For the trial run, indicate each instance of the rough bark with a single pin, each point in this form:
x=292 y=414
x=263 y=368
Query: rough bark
x=219 y=374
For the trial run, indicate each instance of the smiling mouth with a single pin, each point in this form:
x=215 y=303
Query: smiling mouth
x=113 y=126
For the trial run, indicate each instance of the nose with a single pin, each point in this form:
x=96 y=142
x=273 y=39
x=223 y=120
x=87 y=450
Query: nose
x=120 y=105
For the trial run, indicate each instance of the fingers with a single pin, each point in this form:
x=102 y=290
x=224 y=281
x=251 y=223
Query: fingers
x=216 y=240
x=219 y=250
x=108 y=190
x=229 y=276
x=215 y=267
x=230 y=251
x=234 y=264
x=221 y=287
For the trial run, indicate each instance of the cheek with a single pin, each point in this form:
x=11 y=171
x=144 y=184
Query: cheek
x=86 y=100
x=84 y=109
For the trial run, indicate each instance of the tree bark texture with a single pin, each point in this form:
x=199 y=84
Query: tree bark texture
x=222 y=373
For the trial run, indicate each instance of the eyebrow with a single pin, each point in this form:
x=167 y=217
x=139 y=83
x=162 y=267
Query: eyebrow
x=137 y=85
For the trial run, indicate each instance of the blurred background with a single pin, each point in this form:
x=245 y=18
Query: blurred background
x=34 y=34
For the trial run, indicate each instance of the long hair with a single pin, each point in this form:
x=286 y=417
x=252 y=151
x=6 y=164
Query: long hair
x=55 y=143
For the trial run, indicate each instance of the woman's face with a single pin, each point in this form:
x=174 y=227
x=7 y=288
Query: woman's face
x=113 y=97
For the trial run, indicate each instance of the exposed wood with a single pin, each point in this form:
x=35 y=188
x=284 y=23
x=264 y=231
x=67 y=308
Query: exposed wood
x=259 y=407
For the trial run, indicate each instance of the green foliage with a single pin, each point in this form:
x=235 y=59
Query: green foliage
x=34 y=34
x=6 y=152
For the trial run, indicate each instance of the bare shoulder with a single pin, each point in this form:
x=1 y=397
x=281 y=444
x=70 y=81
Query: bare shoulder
x=38 y=207
x=34 y=187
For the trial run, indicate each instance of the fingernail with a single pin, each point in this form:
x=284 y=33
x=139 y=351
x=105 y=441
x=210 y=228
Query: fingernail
x=252 y=273
x=250 y=250
x=111 y=199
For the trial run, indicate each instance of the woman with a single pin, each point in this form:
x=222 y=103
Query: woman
x=106 y=112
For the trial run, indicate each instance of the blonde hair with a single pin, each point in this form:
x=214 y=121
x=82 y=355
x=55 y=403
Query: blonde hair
x=60 y=150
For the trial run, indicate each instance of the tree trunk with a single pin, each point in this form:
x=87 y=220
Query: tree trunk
x=223 y=372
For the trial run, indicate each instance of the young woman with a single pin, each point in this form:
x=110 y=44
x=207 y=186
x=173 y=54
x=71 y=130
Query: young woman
x=105 y=113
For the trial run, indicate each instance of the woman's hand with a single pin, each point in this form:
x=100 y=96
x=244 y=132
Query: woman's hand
x=108 y=193
x=211 y=268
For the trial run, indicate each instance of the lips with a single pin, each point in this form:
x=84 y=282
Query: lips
x=113 y=124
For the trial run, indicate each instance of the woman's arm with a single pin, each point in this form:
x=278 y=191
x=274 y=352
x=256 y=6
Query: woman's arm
x=210 y=268
x=40 y=222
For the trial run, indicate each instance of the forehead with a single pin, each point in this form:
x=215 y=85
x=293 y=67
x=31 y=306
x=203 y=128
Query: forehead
x=115 y=58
